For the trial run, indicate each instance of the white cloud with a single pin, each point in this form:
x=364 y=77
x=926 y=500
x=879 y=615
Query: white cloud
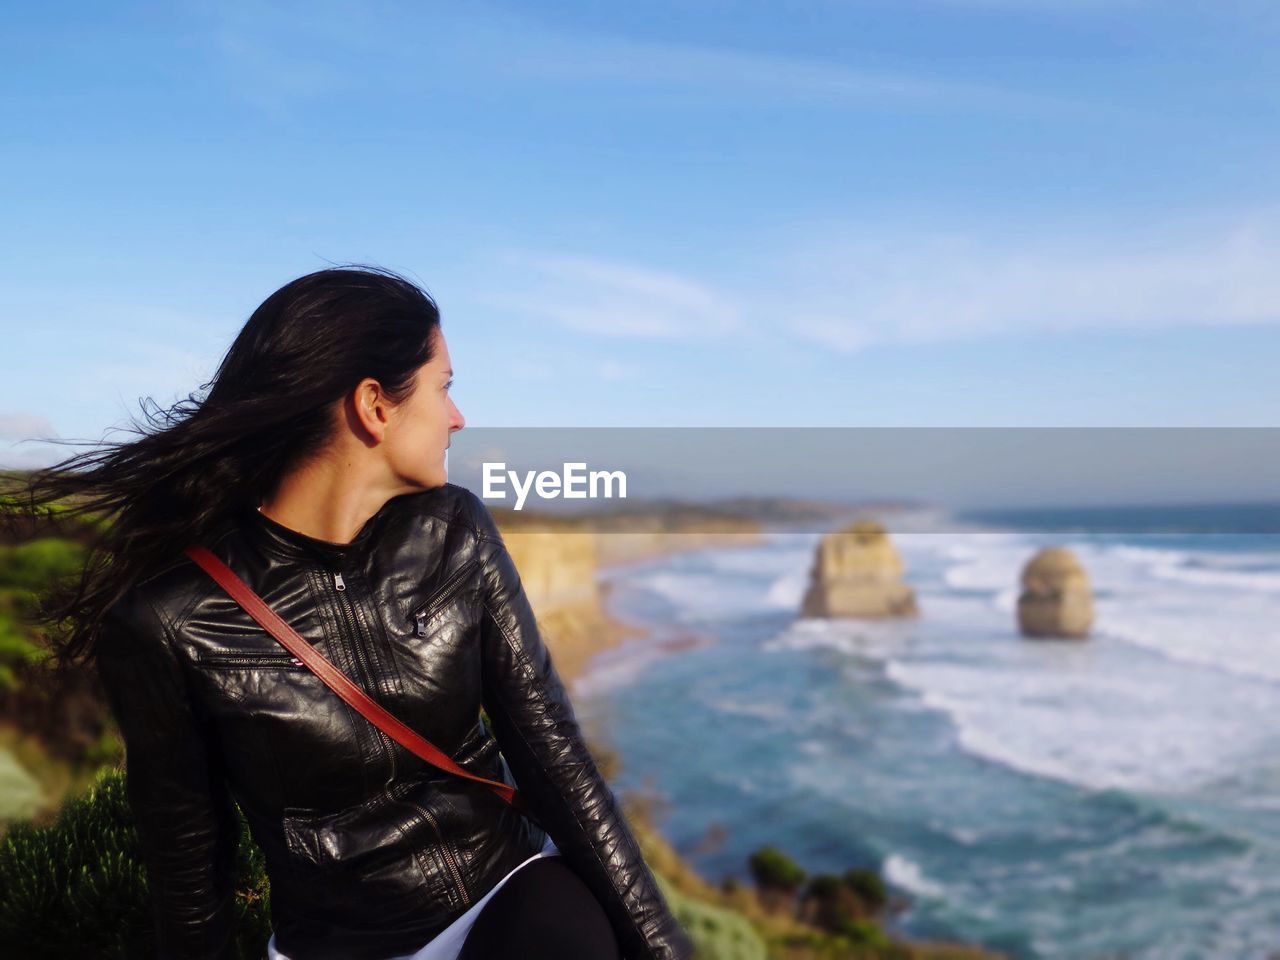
x=20 y=426
x=610 y=299
x=846 y=290
x=762 y=77
x=20 y=442
x=294 y=53
x=887 y=288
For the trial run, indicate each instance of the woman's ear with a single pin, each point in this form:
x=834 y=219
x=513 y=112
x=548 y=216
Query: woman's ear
x=370 y=408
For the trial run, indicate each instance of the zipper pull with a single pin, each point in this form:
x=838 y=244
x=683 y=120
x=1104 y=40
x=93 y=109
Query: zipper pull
x=338 y=582
x=421 y=629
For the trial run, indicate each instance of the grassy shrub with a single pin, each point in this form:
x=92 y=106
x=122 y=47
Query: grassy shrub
x=846 y=903
x=869 y=888
x=773 y=869
x=18 y=651
x=719 y=934
x=77 y=888
x=36 y=564
x=26 y=570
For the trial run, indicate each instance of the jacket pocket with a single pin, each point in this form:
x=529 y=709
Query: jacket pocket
x=235 y=660
x=369 y=859
x=444 y=593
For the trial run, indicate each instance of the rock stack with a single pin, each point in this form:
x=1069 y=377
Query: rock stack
x=857 y=572
x=1056 y=600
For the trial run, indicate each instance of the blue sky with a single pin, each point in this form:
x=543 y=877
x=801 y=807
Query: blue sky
x=909 y=212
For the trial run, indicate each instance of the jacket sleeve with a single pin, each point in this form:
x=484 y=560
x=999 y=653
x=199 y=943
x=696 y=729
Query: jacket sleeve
x=184 y=815
x=538 y=733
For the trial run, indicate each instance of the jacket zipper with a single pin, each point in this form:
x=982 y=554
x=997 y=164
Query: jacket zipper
x=350 y=618
x=448 y=854
x=352 y=622
x=238 y=660
x=444 y=593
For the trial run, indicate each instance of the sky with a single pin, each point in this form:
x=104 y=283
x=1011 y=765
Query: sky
x=942 y=213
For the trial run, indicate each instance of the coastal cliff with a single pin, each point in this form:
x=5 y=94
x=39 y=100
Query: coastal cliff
x=560 y=570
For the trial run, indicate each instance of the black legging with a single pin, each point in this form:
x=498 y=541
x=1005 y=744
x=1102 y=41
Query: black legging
x=544 y=912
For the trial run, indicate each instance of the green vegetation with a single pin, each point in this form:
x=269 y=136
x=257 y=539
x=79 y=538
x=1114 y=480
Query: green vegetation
x=35 y=564
x=76 y=888
x=18 y=650
x=24 y=570
x=847 y=905
x=58 y=513
x=55 y=731
x=720 y=933
x=20 y=794
x=869 y=888
x=774 y=870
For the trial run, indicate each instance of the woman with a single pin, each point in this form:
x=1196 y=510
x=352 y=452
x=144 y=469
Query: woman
x=315 y=468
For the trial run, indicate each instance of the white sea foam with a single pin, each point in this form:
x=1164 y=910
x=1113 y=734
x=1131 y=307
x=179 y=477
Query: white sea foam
x=1006 y=601
x=699 y=594
x=1090 y=713
x=1243 y=639
x=907 y=875
x=615 y=668
x=870 y=639
x=787 y=591
x=1148 y=555
x=1267 y=581
x=1070 y=718
x=765 y=561
x=1233 y=571
x=985 y=571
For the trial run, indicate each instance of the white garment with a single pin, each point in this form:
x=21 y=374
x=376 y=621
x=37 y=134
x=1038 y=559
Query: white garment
x=448 y=942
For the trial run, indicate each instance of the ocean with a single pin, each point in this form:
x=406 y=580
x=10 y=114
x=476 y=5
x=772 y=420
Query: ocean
x=1116 y=797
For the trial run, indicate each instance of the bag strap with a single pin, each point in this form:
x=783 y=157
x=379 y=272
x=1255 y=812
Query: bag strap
x=335 y=679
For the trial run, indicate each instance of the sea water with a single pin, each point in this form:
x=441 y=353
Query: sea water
x=1116 y=797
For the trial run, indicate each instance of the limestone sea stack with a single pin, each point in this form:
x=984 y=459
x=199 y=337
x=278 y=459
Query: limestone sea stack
x=1056 y=600
x=857 y=573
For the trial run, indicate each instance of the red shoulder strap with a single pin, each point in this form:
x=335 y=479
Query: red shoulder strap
x=334 y=678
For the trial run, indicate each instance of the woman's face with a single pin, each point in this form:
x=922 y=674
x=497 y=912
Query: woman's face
x=421 y=427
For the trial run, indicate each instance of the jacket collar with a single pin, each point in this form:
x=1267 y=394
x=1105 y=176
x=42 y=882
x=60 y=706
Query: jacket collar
x=281 y=541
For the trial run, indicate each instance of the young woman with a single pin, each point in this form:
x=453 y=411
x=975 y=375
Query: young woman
x=315 y=469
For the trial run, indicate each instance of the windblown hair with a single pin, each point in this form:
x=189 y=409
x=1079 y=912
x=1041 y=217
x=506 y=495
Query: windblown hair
x=269 y=408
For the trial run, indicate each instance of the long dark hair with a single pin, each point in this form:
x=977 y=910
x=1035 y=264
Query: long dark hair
x=269 y=408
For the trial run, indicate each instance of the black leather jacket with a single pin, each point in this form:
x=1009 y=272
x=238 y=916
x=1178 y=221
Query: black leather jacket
x=370 y=850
